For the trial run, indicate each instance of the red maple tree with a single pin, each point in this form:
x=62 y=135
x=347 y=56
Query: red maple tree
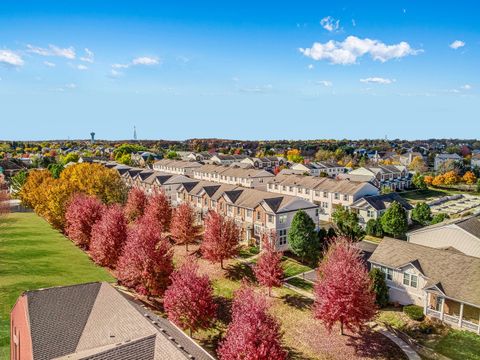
x=109 y=235
x=343 y=292
x=182 y=227
x=189 y=299
x=82 y=213
x=136 y=203
x=146 y=263
x=220 y=240
x=159 y=210
x=253 y=332
x=268 y=270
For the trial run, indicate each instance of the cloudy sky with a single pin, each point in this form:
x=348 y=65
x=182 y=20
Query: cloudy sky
x=239 y=69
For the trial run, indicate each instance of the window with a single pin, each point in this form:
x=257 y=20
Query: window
x=213 y=203
x=387 y=271
x=282 y=237
x=337 y=196
x=257 y=230
x=282 y=219
x=238 y=211
x=406 y=279
x=276 y=187
x=307 y=191
x=290 y=188
x=345 y=197
x=325 y=194
x=249 y=213
x=317 y=193
x=370 y=213
x=413 y=281
x=270 y=218
x=258 y=215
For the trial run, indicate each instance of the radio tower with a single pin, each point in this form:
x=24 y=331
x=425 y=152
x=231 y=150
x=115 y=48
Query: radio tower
x=134 y=133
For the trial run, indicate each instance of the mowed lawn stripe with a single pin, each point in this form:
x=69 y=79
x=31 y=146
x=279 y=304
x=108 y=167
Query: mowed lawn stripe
x=35 y=256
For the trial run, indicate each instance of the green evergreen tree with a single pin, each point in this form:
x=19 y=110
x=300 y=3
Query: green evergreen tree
x=346 y=224
x=422 y=213
x=394 y=220
x=303 y=238
x=379 y=286
x=374 y=228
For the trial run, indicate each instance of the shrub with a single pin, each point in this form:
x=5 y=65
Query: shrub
x=414 y=312
x=374 y=228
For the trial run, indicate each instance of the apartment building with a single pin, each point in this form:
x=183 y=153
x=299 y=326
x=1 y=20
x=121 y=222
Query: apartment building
x=268 y=162
x=250 y=178
x=255 y=211
x=442 y=159
x=179 y=167
x=325 y=192
x=223 y=159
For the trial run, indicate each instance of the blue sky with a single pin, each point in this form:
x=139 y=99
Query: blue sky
x=239 y=69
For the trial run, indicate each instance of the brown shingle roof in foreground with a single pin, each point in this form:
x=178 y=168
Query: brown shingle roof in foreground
x=96 y=321
x=457 y=274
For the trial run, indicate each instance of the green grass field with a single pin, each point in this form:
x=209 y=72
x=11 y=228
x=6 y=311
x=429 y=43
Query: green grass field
x=33 y=256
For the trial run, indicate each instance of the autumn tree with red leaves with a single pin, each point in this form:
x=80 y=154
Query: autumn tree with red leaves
x=109 y=235
x=220 y=240
x=343 y=292
x=159 y=210
x=268 y=270
x=136 y=203
x=182 y=227
x=82 y=213
x=253 y=332
x=189 y=299
x=146 y=263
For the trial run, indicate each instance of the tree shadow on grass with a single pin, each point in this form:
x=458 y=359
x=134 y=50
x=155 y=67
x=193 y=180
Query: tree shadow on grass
x=371 y=344
x=224 y=309
x=296 y=355
x=239 y=271
x=297 y=301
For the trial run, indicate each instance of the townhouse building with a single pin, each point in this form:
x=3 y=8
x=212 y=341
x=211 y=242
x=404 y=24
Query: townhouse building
x=445 y=283
x=179 y=167
x=267 y=162
x=327 y=193
x=255 y=212
x=319 y=167
x=393 y=177
x=475 y=162
x=233 y=175
x=224 y=159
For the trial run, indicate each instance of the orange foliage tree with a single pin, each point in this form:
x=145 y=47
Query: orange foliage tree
x=469 y=178
x=451 y=178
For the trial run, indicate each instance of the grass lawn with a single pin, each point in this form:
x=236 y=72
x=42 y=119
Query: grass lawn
x=33 y=256
x=373 y=239
x=300 y=283
x=248 y=251
x=292 y=267
x=459 y=345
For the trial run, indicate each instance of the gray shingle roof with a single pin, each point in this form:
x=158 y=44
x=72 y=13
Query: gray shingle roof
x=457 y=274
x=381 y=202
x=96 y=321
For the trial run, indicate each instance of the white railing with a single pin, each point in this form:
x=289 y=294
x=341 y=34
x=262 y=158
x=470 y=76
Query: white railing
x=451 y=319
x=470 y=326
x=433 y=313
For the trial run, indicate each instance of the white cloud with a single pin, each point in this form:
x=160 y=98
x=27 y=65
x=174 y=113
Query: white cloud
x=145 y=60
x=10 y=58
x=53 y=50
x=89 y=57
x=257 y=89
x=310 y=67
x=467 y=87
x=115 y=73
x=377 y=80
x=82 y=67
x=120 y=66
x=457 y=44
x=49 y=64
x=71 y=86
x=325 y=83
x=330 y=24
x=348 y=51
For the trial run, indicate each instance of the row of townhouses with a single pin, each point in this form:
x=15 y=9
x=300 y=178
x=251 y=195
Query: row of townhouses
x=318 y=168
x=393 y=177
x=250 y=177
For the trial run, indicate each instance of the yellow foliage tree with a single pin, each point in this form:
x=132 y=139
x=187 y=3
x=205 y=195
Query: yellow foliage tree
x=417 y=165
x=438 y=180
x=469 y=178
x=450 y=178
x=428 y=180
x=294 y=155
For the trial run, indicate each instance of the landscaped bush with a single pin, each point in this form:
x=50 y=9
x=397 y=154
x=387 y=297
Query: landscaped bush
x=414 y=312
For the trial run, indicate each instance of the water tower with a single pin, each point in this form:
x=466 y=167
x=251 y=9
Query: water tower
x=92 y=135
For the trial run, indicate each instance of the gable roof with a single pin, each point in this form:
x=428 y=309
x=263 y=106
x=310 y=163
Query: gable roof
x=457 y=274
x=469 y=224
x=381 y=202
x=95 y=321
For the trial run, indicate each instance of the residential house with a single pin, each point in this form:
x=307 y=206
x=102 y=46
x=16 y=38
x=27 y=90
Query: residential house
x=93 y=321
x=256 y=212
x=475 y=162
x=144 y=158
x=407 y=158
x=372 y=207
x=325 y=192
x=200 y=157
x=251 y=178
x=462 y=234
x=445 y=283
x=393 y=177
x=179 y=167
x=441 y=159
